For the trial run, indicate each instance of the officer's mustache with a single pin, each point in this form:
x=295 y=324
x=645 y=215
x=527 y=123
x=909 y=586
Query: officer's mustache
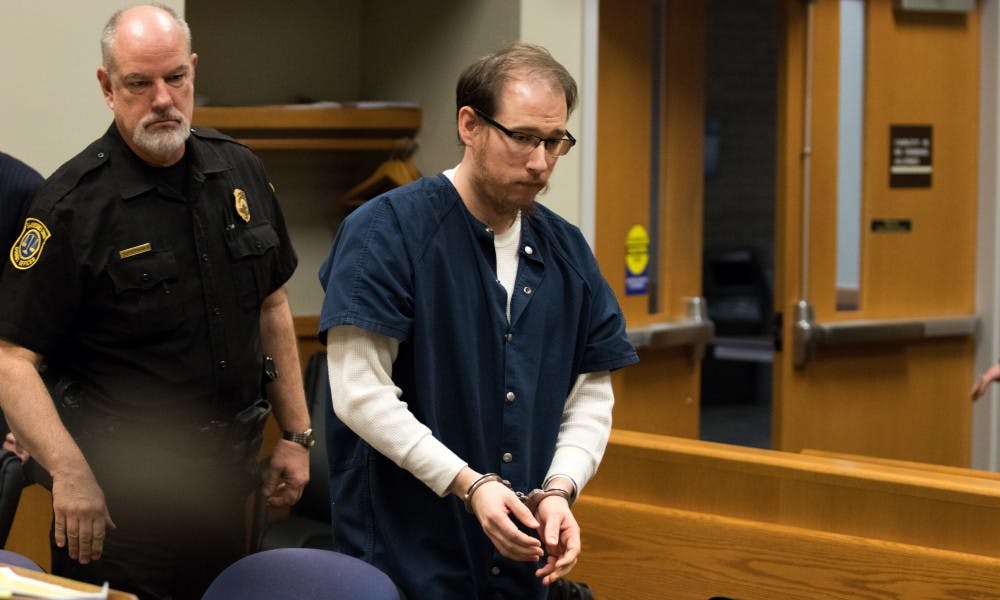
x=171 y=114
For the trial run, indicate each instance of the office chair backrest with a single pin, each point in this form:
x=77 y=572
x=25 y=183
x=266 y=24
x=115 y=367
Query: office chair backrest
x=297 y=573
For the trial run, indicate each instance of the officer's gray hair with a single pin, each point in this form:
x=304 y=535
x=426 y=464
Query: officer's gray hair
x=111 y=30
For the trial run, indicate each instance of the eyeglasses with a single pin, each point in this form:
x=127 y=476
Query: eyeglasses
x=525 y=142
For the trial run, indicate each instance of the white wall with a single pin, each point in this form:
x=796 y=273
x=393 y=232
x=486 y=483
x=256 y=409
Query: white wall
x=559 y=26
x=417 y=55
x=51 y=102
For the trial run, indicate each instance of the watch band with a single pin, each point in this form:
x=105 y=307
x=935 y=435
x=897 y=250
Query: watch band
x=306 y=438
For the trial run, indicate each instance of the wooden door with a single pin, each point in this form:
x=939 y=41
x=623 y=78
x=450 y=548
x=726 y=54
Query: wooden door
x=651 y=62
x=897 y=398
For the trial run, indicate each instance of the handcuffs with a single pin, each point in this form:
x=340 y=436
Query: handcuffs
x=532 y=499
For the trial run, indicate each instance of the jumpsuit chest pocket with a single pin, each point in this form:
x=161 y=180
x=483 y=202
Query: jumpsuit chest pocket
x=249 y=249
x=143 y=293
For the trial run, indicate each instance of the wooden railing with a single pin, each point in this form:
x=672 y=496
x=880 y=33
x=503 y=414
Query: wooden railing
x=678 y=518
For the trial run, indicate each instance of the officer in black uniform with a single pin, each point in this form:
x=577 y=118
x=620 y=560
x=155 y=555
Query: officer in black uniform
x=149 y=275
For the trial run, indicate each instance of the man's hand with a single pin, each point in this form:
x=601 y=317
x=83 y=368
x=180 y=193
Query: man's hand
x=496 y=505
x=80 y=513
x=561 y=534
x=979 y=387
x=287 y=474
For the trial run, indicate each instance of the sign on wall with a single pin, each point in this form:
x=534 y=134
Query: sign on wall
x=910 y=154
x=636 y=261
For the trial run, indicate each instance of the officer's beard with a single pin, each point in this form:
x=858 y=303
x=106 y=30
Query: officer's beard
x=162 y=142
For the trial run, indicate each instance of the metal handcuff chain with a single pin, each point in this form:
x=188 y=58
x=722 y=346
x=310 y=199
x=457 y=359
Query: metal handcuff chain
x=532 y=499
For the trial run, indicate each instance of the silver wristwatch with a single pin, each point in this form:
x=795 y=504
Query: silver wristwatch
x=305 y=438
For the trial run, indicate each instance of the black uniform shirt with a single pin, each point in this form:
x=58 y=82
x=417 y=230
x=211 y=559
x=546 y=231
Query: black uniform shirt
x=147 y=295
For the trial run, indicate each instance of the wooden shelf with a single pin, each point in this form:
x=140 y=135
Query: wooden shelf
x=348 y=127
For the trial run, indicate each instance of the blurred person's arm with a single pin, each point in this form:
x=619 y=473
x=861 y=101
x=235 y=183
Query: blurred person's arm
x=79 y=508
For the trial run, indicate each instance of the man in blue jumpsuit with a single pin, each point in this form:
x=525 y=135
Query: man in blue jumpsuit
x=149 y=274
x=470 y=337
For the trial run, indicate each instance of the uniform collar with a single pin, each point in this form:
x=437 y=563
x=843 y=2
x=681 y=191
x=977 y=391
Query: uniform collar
x=134 y=180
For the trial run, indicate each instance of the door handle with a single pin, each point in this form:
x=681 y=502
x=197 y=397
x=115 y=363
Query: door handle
x=807 y=333
x=695 y=330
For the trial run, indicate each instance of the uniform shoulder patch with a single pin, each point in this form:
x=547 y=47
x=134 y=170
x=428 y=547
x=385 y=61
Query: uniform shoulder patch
x=28 y=247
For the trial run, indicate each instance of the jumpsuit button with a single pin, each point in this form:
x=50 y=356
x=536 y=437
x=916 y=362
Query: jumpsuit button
x=529 y=250
x=509 y=337
x=495 y=570
x=510 y=396
x=527 y=290
x=507 y=457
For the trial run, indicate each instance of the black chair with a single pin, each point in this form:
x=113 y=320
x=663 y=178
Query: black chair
x=308 y=523
x=12 y=481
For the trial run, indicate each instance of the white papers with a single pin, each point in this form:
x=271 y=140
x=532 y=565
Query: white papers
x=13 y=584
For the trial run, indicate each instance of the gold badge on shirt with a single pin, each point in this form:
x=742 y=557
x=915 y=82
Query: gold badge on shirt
x=242 y=208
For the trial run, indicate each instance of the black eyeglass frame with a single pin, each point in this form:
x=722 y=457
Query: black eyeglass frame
x=526 y=137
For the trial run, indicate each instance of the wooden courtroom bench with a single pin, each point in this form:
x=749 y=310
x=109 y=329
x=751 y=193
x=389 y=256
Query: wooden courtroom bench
x=678 y=518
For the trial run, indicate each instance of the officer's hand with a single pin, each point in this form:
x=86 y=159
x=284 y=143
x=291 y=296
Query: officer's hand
x=287 y=474
x=495 y=505
x=561 y=535
x=80 y=512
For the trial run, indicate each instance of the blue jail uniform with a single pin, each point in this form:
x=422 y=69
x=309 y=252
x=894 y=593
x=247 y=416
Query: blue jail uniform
x=415 y=265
